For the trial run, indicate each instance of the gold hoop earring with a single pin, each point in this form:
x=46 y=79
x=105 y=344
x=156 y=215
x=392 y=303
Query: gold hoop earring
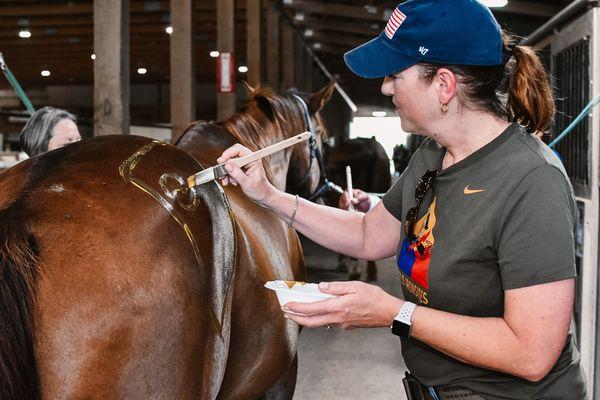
x=444 y=108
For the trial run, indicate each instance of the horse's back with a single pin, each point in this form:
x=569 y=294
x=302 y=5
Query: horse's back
x=125 y=273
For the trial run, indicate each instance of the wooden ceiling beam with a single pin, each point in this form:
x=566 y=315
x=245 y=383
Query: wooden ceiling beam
x=336 y=39
x=317 y=24
x=30 y=10
x=339 y=9
x=537 y=9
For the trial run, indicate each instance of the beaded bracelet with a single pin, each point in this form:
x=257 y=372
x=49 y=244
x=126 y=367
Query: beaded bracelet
x=289 y=224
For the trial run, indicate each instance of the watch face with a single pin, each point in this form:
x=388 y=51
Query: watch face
x=400 y=329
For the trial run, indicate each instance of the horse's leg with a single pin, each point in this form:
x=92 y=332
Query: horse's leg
x=371 y=271
x=355 y=271
x=285 y=386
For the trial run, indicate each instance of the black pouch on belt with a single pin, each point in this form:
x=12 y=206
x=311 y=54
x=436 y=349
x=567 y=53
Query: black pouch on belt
x=413 y=388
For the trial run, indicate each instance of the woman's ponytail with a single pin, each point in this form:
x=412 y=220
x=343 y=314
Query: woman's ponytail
x=530 y=100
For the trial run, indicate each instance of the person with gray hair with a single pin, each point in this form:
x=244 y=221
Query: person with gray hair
x=47 y=129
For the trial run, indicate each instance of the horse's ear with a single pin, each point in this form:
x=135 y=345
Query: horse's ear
x=249 y=89
x=319 y=99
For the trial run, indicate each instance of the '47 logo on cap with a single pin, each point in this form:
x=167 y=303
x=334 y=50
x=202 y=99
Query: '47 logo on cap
x=396 y=19
x=423 y=50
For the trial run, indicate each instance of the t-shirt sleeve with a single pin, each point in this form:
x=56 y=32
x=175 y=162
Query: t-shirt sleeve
x=536 y=242
x=392 y=200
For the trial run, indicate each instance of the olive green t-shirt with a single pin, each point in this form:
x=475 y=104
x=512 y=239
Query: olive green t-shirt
x=502 y=218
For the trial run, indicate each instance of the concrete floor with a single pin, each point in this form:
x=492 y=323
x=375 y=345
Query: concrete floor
x=353 y=364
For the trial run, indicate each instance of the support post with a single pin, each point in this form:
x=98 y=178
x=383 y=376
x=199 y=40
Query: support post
x=225 y=38
x=183 y=82
x=273 y=27
x=253 y=41
x=111 y=67
x=287 y=55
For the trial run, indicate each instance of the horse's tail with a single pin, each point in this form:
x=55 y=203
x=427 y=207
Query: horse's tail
x=19 y=378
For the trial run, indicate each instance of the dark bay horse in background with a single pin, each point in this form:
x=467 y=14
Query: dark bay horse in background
x=114 y=286
x=370 y=172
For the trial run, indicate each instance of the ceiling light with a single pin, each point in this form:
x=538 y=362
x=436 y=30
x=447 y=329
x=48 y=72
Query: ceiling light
x=309 y=33
x=45 y=72
x=371 y=9
x=495 y=3
x=24 y=34
x=93 y=56
x=379 y=114
x=214 y=54
x=142 y=71
x=169 y=30
x=316 y=45
x=243 y=69
x=299 y=16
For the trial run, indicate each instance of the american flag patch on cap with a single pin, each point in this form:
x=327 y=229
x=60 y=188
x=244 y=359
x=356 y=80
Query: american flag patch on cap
x=394 y=23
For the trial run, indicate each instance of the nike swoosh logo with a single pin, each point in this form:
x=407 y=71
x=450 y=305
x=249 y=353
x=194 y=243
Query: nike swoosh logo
x=472 y=191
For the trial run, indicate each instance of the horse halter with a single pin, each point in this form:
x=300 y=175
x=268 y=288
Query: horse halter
x=315 y=153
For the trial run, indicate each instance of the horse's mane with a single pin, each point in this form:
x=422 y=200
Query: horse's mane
x=283 y=109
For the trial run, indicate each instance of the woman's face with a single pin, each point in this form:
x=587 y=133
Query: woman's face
x=412 y=98
x=64 y=132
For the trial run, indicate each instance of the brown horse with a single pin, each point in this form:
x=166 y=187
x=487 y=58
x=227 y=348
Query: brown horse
x=113 y=287
x=370 y=172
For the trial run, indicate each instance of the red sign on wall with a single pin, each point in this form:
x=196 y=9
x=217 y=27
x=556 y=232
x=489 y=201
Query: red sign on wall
x=225 y=73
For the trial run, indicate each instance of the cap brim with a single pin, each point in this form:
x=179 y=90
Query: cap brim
x=375 y=59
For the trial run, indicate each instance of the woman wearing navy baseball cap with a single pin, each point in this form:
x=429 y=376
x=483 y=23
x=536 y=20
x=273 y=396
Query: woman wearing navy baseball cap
x=481 y=222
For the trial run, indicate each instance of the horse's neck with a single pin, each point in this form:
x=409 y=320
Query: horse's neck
x=277 y=164
x=206 y=141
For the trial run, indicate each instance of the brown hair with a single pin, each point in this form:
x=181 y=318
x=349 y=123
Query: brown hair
x=518 y=90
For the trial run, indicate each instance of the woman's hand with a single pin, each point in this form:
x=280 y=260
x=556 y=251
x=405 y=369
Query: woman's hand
x=358 y=305
x=252 y=178
x=360 y=200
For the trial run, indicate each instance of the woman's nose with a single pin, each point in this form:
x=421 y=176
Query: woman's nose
x=387 y=87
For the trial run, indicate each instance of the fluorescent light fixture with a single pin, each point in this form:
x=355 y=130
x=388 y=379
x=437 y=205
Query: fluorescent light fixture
x=316 y=45
x=379 y=114
x=243 y=69
x=24 y=34
x=214 y=54
x=45 y=72
x=494 y=3
x=299 y=16
x=93 y=56
x=169 y=30
x=142 y=71
x=309 y=33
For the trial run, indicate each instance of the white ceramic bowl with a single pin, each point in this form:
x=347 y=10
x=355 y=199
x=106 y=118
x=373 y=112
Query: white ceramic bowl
x=288 y=291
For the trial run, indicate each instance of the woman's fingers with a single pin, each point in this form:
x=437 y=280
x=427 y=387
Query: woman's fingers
x=235 y=151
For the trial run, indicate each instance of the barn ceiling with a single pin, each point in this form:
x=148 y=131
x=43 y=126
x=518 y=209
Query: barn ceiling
x=62 y=34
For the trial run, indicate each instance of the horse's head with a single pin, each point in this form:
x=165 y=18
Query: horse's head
x=291 y=113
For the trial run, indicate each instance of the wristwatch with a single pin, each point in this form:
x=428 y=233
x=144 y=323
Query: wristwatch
x=402 y=324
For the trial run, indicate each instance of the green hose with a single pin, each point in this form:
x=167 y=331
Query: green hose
x=15 y=84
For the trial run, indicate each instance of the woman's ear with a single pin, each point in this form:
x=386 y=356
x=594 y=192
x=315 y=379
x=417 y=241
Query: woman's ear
x=446 y=85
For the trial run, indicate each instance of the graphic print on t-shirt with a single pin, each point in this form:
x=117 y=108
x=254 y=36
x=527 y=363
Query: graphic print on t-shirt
x=414 y=265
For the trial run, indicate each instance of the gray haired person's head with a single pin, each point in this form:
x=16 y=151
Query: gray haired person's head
x=38 y=130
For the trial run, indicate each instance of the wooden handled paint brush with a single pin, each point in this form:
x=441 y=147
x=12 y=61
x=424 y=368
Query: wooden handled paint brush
x=219 y=172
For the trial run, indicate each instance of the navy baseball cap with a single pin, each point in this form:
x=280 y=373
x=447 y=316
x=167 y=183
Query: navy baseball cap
x=454 y=32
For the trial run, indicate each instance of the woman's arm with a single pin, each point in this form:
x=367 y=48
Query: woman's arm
x=526 y=342
x=370 y=236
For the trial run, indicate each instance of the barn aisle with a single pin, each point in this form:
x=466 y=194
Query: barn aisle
x=354 y=364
